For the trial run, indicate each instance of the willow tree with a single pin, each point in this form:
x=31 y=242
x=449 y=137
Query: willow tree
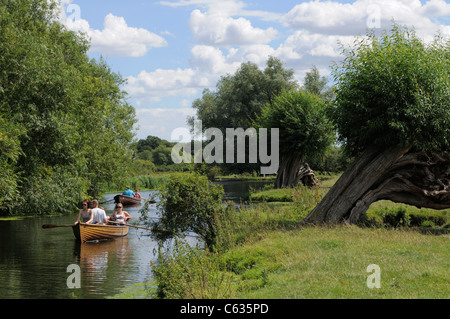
x=392 y=111
x=304 y=132
x=239 y=98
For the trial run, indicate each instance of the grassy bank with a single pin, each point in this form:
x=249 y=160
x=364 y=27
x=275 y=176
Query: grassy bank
x=322 y=262
x=264 y=252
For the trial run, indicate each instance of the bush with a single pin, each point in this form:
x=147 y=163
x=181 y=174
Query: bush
x=427 y=223
x=191 y=273
x=190 y=203
x=397 y=217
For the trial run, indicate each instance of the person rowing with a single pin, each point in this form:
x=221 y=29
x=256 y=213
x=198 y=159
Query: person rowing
x=128 y=192
x=85 y=215
x=119 y=216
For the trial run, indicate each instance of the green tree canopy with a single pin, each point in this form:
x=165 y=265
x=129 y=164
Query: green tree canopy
x=304 y=129
x=304 y=133
x=239 y=98
x=69 y=126
x=394 y=90
x=317 y=84
x=392 y=110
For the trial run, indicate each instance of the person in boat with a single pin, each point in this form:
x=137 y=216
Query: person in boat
x=99 y=214
x=136 y=194
x=85 y=215
x=128 y=192
x=119 y=216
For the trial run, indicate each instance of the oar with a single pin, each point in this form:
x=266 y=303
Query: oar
x=131 y=225
x=149 y=200
x=106 y=201
x=54 y=226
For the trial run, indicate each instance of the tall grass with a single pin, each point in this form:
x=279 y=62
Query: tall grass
x=190 y=273
x=148 y=181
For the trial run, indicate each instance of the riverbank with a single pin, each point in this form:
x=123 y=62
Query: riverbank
x=264 y=252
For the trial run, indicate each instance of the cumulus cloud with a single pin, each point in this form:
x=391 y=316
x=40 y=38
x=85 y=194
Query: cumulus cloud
x=218 y=29
x=117 y=38
x=229 y=8
x=304 y=42
x=210 y=60
x=207 y=65
x=154 y=85
x=162 y=121
x=332 y=17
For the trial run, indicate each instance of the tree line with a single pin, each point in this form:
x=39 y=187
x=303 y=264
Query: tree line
x=65 y=126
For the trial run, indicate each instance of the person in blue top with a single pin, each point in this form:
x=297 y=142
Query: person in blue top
x=128 y=192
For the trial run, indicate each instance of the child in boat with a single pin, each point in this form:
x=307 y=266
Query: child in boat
x=119 y=216
x=136 y=194
x=85 y=215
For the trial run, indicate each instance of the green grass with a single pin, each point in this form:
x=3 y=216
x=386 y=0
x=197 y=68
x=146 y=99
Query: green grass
x=270 y=194
x=319 y=262
x=273 y=195
x=265 y=253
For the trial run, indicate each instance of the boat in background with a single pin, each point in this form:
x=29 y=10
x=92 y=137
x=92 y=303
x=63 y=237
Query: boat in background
x=88 y=232
x=127 y=200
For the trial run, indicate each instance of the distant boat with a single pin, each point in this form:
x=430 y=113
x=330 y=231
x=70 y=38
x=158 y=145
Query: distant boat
x=88 y=232
x=127 y=200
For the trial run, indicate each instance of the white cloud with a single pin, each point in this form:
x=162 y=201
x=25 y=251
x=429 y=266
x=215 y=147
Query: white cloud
x=229 y=8
x=315 y=44
x=153 y=86
x=207 y=65
x=210 y=60
x=162 y=121
x=219 y=29
x=117 y=38
x=331 y=17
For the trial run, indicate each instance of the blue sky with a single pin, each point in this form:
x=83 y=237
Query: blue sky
x=170 y=51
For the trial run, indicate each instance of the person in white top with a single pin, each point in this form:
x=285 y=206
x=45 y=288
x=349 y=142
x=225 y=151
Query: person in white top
x=120 y=216
x=99 y=214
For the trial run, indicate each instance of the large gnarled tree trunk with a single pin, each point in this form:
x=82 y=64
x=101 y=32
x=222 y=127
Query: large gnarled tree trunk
x=292 y=171
x=394 y=174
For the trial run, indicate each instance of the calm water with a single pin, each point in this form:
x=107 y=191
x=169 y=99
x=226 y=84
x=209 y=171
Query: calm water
x=238 y=190
x=34 y=261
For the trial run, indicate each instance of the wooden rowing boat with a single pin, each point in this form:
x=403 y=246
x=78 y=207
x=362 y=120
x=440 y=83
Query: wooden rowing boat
x=88 y=232
x=127 y=200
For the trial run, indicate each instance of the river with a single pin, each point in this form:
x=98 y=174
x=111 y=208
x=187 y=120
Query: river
x=34 y=261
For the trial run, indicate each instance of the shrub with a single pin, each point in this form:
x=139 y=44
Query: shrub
x=395 y=217
x=189 y=203
x=191 y=273
x=427 y=223
x=404 y=216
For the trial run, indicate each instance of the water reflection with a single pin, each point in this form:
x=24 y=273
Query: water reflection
x=95 y=258
x=34 y=261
